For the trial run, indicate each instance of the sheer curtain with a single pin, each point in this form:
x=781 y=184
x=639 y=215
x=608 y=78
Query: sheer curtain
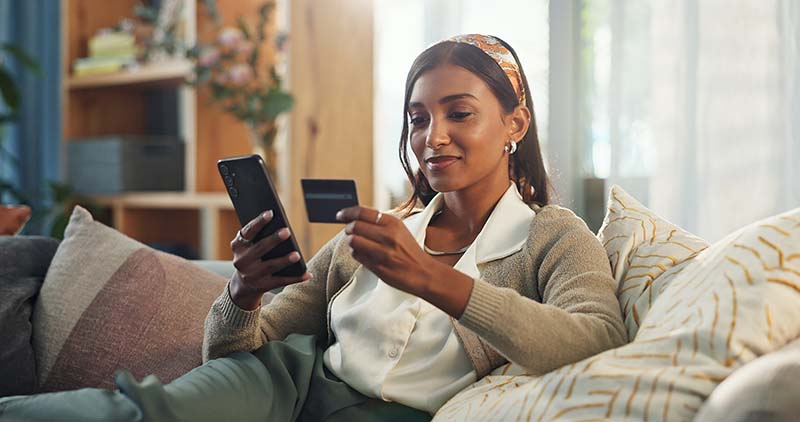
x=694 y=106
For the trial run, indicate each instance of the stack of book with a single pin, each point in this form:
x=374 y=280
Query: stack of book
x=109 y=52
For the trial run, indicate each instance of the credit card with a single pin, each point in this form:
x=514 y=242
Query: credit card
x=325 y=197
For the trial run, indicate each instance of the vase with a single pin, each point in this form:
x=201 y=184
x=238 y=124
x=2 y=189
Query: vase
x=262 y=142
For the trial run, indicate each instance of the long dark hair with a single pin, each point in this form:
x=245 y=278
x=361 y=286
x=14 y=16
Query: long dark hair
x=526 y=165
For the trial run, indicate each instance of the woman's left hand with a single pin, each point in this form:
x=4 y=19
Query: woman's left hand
x=383 y=244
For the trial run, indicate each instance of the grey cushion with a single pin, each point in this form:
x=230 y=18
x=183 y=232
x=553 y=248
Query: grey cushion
x=766 y=389
x=23 y=265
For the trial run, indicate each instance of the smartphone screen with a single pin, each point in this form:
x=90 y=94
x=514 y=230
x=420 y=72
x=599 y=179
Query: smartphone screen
x=252 y=193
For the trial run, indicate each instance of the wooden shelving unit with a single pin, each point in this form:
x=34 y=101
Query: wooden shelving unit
x=330 y=77
x=199 y=217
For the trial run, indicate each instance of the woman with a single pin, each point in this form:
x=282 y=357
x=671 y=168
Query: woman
x=401 y=311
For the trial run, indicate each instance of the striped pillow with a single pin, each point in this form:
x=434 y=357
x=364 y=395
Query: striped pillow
x=109 y=302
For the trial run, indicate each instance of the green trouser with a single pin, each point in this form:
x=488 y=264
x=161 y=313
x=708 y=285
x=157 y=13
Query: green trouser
x=281 y=381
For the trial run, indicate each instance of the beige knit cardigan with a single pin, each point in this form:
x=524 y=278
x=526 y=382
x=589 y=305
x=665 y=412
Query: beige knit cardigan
x=550 y=304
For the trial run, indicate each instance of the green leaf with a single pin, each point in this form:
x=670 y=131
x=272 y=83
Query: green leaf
x=59 y=225
x=22 y=56
x=9 y=90
x=263 y=13
x=242 y=24
x=277 y=102
x=61 y=192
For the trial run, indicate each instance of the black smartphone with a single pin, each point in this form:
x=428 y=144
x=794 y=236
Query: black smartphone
x=252 y=193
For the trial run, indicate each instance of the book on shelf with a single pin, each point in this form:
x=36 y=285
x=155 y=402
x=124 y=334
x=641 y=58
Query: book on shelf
x=102 y=65
x=109 y=52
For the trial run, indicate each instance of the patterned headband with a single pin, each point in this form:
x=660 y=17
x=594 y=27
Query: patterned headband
x=497 y=51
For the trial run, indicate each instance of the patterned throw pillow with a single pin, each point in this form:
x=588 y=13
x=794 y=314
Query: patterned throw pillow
x=109 y=302
x=733 y=302
x=646 y=253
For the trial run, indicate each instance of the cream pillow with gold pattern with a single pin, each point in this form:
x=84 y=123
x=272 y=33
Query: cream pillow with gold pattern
x=735 y=301
x=646 y=253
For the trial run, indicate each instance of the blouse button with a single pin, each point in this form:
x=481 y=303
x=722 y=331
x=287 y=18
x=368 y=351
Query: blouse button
x=393 y=353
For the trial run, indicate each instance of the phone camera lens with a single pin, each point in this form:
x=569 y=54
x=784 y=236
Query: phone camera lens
x=234 y=192
x=229 y=180
x=223 y=169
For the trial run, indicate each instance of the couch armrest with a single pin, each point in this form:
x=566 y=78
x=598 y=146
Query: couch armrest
x=226 y=269
x=223 y=268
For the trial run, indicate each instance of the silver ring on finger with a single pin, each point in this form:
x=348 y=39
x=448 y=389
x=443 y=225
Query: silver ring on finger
x=241 y=238
x=378 y=218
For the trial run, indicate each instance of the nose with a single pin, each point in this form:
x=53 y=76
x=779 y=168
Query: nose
x=437 y=135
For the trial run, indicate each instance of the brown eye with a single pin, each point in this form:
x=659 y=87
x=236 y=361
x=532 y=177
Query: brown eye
x=460 y=115
x=417 y=120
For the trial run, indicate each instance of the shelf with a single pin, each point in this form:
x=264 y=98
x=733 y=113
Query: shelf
x=167 y=200
x=172 y=72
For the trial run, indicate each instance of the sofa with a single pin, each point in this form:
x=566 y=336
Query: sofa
x=706 y=344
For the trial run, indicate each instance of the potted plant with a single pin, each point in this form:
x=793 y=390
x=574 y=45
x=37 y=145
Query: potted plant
x=241 y=81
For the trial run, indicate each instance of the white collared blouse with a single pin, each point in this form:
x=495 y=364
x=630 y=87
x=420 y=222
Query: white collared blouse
x=397 y=347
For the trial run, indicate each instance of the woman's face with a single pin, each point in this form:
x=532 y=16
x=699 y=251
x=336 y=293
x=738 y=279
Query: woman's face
x=458 y=129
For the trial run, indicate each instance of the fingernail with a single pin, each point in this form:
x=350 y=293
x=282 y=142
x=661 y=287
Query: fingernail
x=339 y=215
x=267 y=215
x=310 y=276
x=283 y=233
x=294 y=257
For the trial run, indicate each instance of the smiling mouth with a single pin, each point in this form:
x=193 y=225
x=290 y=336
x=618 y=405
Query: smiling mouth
x=439 y=163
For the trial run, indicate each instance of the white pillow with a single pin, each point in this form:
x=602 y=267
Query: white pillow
x=735 y=301
x=645 y=250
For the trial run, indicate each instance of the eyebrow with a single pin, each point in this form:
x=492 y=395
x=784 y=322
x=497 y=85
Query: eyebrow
x=446 y=99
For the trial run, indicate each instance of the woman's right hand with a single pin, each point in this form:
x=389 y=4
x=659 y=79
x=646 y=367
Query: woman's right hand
x=254 y=277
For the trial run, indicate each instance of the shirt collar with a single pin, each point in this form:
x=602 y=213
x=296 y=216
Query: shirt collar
x=504 y=233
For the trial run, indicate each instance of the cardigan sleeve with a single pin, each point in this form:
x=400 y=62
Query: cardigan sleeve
x=298 y=308
x=578 y=316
